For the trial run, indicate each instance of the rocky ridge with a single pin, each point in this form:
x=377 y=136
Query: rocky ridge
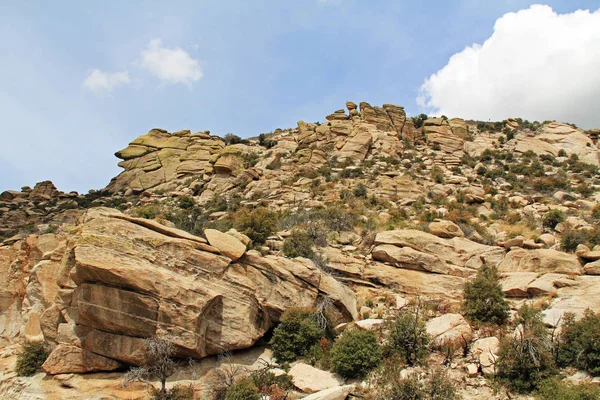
x=432 y=201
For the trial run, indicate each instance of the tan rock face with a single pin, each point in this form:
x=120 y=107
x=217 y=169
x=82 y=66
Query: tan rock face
x=120 y=280
x=439 y=132
x=449 y=328
x=227 y=245
x=310 y=379
x=77 y=360
x=554 y=136
x=445 y=229
x=540 y=261
x=158 y=157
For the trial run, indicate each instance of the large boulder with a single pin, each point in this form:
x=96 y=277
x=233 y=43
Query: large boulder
x=120 y=280
x=553 y=137
x=310 y=379
x=449 y=328
x=540 y=261
x=334 y=393
x=227 y=245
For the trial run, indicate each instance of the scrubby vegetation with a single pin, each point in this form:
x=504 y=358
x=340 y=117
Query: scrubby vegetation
x=297 y=332
x=526 y=358
x=30 y=357
x=483 y=298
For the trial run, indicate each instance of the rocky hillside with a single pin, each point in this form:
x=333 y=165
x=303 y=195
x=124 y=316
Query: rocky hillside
x=207 y=241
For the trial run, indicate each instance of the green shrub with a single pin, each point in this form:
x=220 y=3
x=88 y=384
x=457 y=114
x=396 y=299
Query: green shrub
x=257 y=224
x=360 y=190
x=571 y=239
x=30 y=358
x=297 y=332
x=484 y=299
x=408 y=337
x=186 y=202
x=562 y=153
x=437 y=174
x=299 y=244
x=230 y=138
x=556 y=389
x=436 y=386
x=243 y=390
x=553 y=218
x=148 y=211
x=177 y=392
x=527 y=357
x=580 y=342
x=355 y=354
x=267 y=382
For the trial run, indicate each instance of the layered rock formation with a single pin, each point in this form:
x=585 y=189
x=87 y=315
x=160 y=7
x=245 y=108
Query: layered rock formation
x=115 y=281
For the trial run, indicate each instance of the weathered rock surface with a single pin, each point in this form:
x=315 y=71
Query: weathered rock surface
x=540 y=261
x=449 y=328
x=310 y=379
x=334 y=393
x=117 y=281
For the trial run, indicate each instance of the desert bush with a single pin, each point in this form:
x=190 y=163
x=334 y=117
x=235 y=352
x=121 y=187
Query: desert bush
x=556 y=389
x=31 y=357
x=299 y=244
x=360 y=190
x=243 y=390
x=230 y=138
x=580 y=342
x=177 y=392
x=571 y=239
x=355 y=354
x=408 y=337
x=257 y=224
x=393 y=385
x=483 y=298
x=553 y=218
x=437 y=174
x=297 y=332
x=268 y=383
x=186 y=202
x=526 y=357
x=148 y=211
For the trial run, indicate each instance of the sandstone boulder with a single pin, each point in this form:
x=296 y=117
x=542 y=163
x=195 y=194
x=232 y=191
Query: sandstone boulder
x=77 y=360
x=227 y=245
x=449 y=328
x=125 y=281
x=310 y=379
x=540 y=261
x=334 y=393
x=445 y=229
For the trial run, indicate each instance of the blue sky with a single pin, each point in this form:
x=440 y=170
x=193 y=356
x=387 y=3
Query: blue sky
x=263 y=65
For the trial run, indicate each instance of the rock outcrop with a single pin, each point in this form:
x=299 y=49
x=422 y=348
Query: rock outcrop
x=116 y=281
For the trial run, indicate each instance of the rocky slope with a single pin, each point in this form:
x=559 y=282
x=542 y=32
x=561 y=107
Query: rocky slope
x=395 y=208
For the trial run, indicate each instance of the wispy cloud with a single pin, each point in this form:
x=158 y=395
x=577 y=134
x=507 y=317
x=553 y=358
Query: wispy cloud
x=101 y=82
x=171 y=65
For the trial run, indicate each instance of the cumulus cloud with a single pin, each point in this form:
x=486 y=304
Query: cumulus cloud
x=102 y=82
x=537 y=64
x=170 y=65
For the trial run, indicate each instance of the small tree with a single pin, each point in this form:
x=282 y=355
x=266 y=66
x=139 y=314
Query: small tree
x=553 y=218
x=159 y=364
x=31 y=357
x=484 y=299
x=258 y=224
x=299 y=244
x=296 y=334
x=526 y=357
x=580 y=342
x=408 y=336
x=356 y=353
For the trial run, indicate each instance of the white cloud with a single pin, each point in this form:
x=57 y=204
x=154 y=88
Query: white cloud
x=170 y=65
x=101 y=82
x=537 y=65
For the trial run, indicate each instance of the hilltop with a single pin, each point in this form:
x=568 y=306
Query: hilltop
x=208 y=241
